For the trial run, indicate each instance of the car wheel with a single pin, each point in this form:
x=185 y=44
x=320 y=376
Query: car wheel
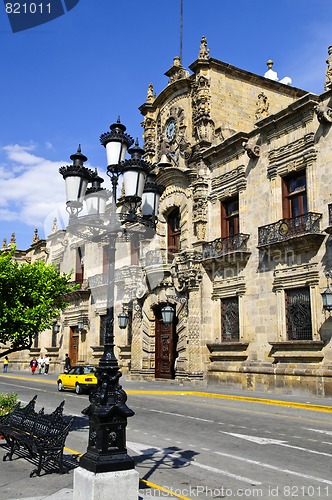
x=60 y=386
x=78 y=389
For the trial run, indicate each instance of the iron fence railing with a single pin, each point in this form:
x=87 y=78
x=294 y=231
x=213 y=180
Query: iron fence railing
x=285 y=229
x=224 y=246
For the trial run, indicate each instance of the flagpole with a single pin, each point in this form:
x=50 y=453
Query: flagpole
x=181 y=29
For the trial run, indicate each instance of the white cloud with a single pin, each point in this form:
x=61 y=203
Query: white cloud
x=32 y=189
x=31 y=186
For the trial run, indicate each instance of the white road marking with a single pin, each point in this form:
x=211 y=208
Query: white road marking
x=321 y=431
x=183 y=416
x=143 y=449
x=273 y=467
x=259 y=440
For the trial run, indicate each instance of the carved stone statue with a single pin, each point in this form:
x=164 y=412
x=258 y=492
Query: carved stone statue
x=151 y=96
x=204 y=52
x=328 y=79
x=35 y=238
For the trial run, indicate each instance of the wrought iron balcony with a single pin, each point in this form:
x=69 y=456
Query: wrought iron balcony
x=223 y=246
x=329 y=228
x=302 y=226
x=225 y=252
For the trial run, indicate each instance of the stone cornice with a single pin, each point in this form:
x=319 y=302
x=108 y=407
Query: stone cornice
x=227 y=150
x=229 y=183
x=241 y=74
x=296 y=276
x=293 y=116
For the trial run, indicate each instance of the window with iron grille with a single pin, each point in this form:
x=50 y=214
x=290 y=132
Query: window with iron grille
x=102 y=329
x=298 y=314
x=230 y=331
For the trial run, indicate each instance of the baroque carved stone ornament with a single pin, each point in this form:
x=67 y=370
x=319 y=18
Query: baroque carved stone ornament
x=328 y=77
x=252 y=149
x=204 y=52
x=262 y=106
x=324 y=113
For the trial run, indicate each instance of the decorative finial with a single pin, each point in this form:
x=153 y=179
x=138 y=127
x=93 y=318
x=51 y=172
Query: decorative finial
x=270 y=74
x=35 y=238
x=204 y=52
x=328 y=78
x=4 y=244
x=13 y=239
x=151 y=96
x=177 y=61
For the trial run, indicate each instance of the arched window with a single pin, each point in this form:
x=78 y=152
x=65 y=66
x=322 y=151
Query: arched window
x=173 y=234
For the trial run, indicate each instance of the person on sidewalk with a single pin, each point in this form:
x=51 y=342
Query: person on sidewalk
x=41 y=363
x=67 y=364
x=5 y=364
x=47 y=364
x=33 y=365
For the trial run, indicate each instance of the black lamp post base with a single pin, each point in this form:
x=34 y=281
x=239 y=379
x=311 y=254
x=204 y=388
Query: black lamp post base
x=109 y=463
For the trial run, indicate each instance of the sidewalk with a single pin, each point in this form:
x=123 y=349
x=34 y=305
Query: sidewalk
x=17 y=485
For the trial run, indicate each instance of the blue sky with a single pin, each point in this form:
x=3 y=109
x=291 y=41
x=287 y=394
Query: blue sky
x=64 y=82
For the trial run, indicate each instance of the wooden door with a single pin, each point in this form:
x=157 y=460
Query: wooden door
x=73 y=345
x=165 y=353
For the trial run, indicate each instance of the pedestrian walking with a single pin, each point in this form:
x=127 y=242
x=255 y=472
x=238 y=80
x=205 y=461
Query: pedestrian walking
x=67 y=364
x=41 y=363
x=47 y=364
x=5 y=364
x=33 y=365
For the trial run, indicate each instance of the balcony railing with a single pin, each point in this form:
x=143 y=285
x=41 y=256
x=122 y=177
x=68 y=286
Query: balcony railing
x=223 y=246
x=286 y=229
x=98 y=280
x=155 y=258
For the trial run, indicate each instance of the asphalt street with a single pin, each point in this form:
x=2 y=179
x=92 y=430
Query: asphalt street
x=202 y=442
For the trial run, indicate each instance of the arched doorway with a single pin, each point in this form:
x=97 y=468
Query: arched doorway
x=165 y=346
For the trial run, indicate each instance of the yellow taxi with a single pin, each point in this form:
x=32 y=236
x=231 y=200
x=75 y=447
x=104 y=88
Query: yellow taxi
x=80 y=378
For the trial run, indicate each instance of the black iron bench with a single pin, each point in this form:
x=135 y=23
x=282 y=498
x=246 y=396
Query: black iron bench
x=42 y=435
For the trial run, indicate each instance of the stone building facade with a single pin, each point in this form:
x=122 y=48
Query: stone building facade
x=242 y=244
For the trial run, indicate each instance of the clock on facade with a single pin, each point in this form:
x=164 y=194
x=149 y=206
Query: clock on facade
x=170 y=129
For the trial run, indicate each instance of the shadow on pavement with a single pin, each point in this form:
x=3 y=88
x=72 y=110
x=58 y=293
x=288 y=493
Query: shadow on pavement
x=166 y=458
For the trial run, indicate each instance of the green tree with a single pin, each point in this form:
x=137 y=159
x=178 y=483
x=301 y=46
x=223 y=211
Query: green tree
x=31 y=296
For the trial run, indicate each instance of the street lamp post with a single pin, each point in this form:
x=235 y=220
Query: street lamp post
x=108 y=411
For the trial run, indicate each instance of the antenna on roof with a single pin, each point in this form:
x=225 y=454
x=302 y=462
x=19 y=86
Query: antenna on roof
x=181 y=29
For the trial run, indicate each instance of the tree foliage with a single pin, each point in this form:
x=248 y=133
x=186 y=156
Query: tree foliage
x=31 y=297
